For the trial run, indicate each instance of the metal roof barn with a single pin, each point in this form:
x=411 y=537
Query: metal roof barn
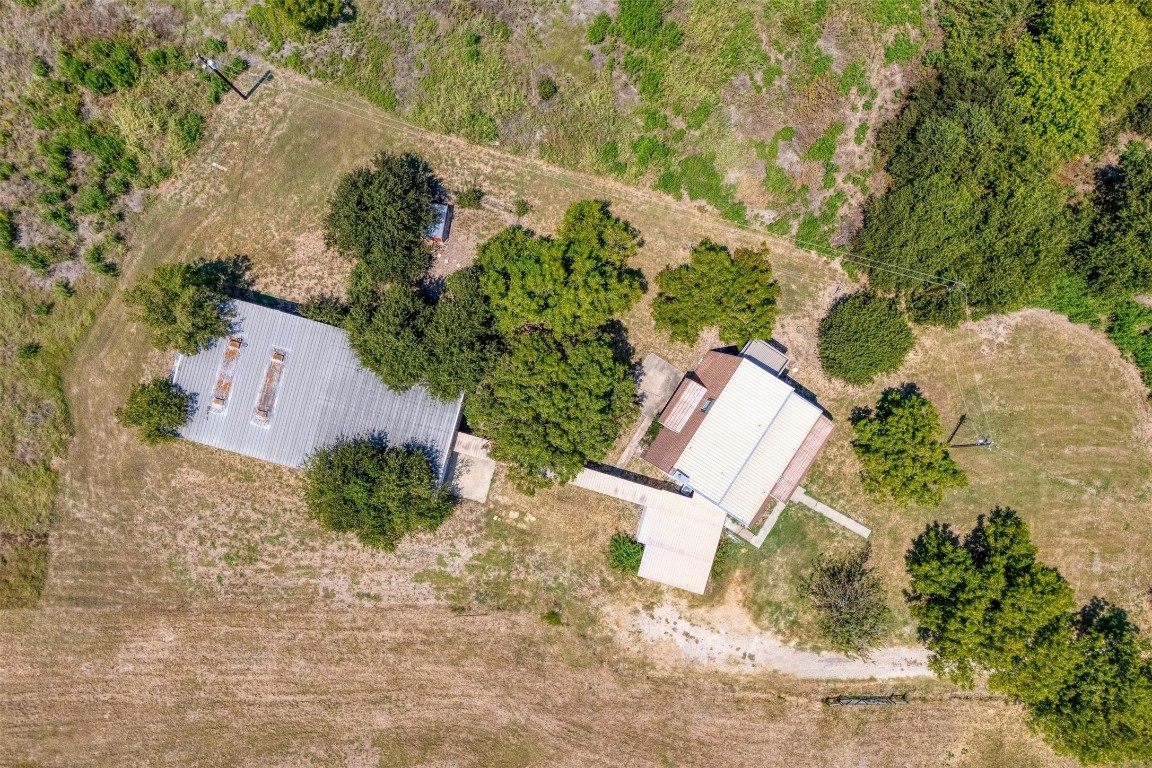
x=282 y=386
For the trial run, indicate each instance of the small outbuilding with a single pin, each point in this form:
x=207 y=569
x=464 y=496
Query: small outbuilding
x=438 y=232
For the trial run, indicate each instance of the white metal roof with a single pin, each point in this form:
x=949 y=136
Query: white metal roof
x=322 y=395
x=684 y=405
x=768 y=461
x=752 y=431
x=680 y=536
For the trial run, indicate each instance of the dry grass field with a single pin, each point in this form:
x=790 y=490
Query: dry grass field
x=194 y=616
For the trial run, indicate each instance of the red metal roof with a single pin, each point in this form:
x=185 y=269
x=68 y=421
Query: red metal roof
x=802 y=461
x=713 y=373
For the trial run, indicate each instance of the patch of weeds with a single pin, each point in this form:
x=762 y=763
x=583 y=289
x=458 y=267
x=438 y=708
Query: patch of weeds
x=823 y=149
x=23 y=571
x=893 y=12
x=861 y=133
x=701 y=180
x=781 y=226
x=901 y=49
x=854 y=76
x=28 y=350
x=553 y=618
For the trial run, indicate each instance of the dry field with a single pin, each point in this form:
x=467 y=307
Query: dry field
x=194 y=616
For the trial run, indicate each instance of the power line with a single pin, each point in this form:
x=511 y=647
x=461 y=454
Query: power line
x=572 y=178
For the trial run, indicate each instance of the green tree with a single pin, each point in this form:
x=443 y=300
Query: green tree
x=380 y=493
x=972 y=196
x=570 y=285
x=901 y=448
x=1101 y=709
x=553 y=405
x=987 y=605
x=850 y=601
x=982 y=604
x=1117 y=259
x=156 y=409
x=380 y=216
x=461 y=339
x=733 y=291
x=309 y=15
x=182 y=305
x=1083 y=54
x=864 y=336
x=387 y=334
x=624 y=553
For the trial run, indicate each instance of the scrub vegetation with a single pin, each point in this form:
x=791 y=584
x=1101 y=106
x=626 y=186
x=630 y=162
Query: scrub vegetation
x=99 y=104
x=676 y=96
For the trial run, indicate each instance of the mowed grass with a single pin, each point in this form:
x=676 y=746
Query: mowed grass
x=206 y=575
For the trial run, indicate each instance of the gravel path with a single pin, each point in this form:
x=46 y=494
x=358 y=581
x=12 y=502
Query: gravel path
x=724 y=638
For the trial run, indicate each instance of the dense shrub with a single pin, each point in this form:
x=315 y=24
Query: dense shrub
x=379 y=215
x=901 y=447
x=472 y=197
x=156 y=410
x=553 y=405
x=182 y=305
x=972 y=196
x=570 y=285
x=735 y=292
x=381 y=494
x=1116 y=259
x=546 y=88
x=1068 y=73
x=599 y=28
x=1130 y=329
x=864 y=336
x=850 y=601
x=624 y=553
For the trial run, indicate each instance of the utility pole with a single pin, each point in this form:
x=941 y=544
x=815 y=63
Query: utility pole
x=981 y=442
x=210 y=65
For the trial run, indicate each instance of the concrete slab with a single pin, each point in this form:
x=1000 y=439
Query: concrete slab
x=656 y=384
x=471 y=475
x=801 y=497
